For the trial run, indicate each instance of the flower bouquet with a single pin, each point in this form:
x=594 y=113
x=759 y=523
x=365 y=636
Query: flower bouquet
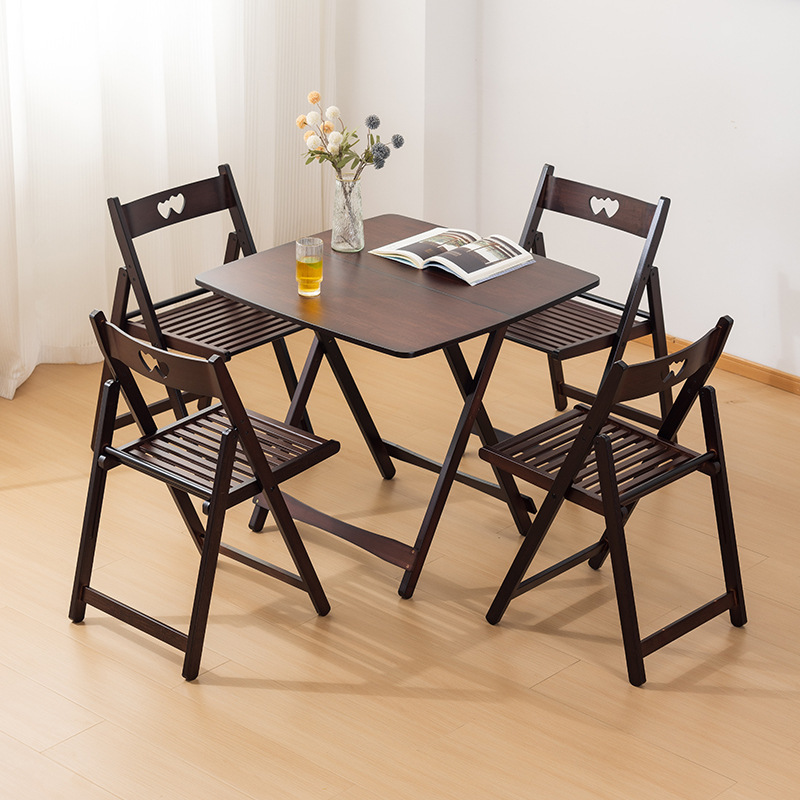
x=328 y=139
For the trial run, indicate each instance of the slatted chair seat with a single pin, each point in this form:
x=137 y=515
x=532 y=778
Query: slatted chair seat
x=221 y=455
x=606 y=464
x=593 y=323
x=188 y=450
x=214 y=324
x=640 y=457
x=572 y=324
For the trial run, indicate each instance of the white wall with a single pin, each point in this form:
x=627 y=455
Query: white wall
x=696 y=100
x=452 y=112
x=693 y=99
x=380 y=69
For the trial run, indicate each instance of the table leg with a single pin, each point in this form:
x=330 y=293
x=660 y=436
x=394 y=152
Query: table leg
x=296 y=415
x=297 y=408
x=358 y=407
x=327 y=346
x=488 y=436
x=474 y=389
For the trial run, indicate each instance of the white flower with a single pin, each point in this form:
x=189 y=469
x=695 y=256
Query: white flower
x=313 y=118
x=314 y=142
x=332 y=113
x=335 y=137
x=333 y=149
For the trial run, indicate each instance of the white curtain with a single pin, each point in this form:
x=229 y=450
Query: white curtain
x=125 y=98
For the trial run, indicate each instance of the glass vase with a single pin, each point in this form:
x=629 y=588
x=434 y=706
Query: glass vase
x=347 y=229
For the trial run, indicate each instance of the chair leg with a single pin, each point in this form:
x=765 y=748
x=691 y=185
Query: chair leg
x=289 y=378
x=208 y=558
x=190 y=516
x=104 y=428
x=202 y=598
x=88 y=544
x=258 y=517
x=297 y=550
x=530 y=545
x=659 y=334
x=595 y=562
x=557 y=382
x=722 y=506
x=626 y=604
x=615 y=518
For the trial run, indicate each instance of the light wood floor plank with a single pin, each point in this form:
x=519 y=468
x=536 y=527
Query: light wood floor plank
x=29 y=775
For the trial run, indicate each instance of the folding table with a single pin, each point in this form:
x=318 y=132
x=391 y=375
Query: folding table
x=398 y=310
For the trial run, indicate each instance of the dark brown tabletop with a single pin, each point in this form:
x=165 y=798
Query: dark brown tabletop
x=392 y=307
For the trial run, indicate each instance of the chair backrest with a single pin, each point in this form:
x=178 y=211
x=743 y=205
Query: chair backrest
x=603 y=207
x=127 y=357
x=160 y=210
x=690 y=366
x=591 y=203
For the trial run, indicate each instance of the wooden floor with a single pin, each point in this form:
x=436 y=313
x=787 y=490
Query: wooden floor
x=420 y=698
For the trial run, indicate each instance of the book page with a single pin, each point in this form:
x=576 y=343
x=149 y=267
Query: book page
x=440 y=243
x=417 y=249
x=479 y=255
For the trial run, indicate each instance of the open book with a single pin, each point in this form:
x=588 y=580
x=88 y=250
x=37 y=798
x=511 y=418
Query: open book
x=462 y=253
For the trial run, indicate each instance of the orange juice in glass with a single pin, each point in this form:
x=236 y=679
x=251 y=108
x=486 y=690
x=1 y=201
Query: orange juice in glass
x=308 y=255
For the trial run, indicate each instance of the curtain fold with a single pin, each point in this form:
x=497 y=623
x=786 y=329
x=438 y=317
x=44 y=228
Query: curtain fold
x=101 y=99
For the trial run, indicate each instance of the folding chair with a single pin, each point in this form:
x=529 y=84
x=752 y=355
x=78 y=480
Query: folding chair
x=198 y=321
x=606 y=464
x=222 y=454
x=591 y=322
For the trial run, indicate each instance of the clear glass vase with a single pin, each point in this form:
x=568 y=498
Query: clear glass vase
x=347 y=229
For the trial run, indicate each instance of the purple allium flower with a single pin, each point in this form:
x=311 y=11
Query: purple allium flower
x=372 y=122
x=398 y=141
x=380 y=151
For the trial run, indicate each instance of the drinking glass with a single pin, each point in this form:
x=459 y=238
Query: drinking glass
x=308 y=254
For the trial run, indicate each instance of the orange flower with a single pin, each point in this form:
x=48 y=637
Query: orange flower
x=301 y=121
x=327 y=127
x=313 y=98
x=308 y=134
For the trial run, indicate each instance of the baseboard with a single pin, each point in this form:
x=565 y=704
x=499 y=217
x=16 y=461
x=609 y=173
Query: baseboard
x=748 y=369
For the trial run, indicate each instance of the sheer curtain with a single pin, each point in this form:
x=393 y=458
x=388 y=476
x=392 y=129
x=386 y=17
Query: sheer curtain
x=126 y=98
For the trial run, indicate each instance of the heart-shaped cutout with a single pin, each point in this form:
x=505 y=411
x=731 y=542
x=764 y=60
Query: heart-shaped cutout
x=672 y=373
x=152 y=365
x=599 y=204
x=176 y=203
